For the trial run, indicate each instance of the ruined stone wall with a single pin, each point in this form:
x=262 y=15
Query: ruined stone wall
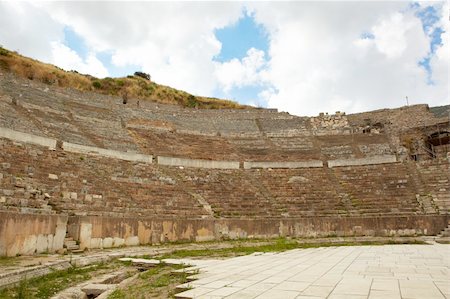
x=395 y=120
x=29 y=233
x=101 y=232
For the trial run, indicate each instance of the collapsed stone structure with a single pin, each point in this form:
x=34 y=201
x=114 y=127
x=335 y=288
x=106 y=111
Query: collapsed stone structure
x=82 y=166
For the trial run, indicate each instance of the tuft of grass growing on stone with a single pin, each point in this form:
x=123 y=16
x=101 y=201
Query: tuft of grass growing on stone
x=48 y=285
x=278 y=245
x=158 y=282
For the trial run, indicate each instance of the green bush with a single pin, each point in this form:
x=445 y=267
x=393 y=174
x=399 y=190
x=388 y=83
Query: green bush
x=97 y=84
x=4 y=52
x=192 y=102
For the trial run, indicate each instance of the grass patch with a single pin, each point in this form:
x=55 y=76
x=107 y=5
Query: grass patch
x=54 y=282
x=278 y=245
x=157 y=282
x=8 y=261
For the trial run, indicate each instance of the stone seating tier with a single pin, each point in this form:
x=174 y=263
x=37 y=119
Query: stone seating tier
x=103 y=121
x=35 y=179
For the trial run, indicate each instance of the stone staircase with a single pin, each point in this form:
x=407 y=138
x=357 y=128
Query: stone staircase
x=427 y=204
x=71 y=245
x=436 y=177
x=444 y=236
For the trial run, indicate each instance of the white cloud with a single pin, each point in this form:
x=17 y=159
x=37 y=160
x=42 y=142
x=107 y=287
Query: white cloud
x=68 y=59
x=441 y=61
x=28 y=30
x=174 y=42
x=390 y=35
x=320 y=62
x=244 y=72
x=317 y=60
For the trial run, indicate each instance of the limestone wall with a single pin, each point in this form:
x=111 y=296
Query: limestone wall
x=198 y=163
x=127 y=156
x=28 y=138
x=363 y=161
x=302 y=164
x=29 y=233
x=101 y=232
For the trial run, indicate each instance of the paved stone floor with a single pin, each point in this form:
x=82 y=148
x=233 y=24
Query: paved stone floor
x=390 y=271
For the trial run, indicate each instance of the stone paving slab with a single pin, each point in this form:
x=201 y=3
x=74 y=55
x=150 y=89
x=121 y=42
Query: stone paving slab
x=354 y=272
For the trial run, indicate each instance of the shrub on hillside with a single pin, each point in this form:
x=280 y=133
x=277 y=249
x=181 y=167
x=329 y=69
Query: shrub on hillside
x=142 y=75
x=97 y=84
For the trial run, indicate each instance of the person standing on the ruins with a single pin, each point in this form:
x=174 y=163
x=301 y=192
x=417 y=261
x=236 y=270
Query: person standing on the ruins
x=125 y=98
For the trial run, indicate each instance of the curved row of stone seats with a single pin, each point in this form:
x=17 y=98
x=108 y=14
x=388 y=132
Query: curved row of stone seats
x=227 y=122
x=285 y=127
x=11 y=118
x=435 y=178
x=217 y=148
x=303 y=192
x=377 y=189
x=300 y=192
x=167 y=143
x=55 y=116
x=254 y=135
x=35 y=179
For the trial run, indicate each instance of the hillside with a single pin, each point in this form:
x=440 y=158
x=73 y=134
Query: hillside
x=440 y=111
x=133 y=86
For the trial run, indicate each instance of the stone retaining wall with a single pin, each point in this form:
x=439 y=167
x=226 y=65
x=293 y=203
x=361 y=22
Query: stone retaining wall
x=29 y=233
x=299 y=164
x=27 y=138
x=198 y=163
x=363 y=161
x=127 y=156
x=105 y=232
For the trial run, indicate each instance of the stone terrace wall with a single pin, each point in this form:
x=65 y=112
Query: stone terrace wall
x=101 y=232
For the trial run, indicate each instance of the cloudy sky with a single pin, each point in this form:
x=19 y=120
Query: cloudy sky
x=300 y=57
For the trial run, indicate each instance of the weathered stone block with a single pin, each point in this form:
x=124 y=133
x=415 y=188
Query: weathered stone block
x=52 y=176
x=94 y=290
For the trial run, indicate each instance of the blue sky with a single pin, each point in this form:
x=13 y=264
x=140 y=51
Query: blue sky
x=238 y=38
x=300 y=57
x=429 y=17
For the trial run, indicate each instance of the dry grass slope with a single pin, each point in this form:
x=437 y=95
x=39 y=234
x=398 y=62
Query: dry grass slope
x=133 y=86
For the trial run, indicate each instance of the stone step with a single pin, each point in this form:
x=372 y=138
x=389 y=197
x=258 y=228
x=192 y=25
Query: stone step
x=70 y=244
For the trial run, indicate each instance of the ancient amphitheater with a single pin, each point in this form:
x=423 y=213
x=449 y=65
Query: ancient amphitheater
x=82 y=171
x=87 y=167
